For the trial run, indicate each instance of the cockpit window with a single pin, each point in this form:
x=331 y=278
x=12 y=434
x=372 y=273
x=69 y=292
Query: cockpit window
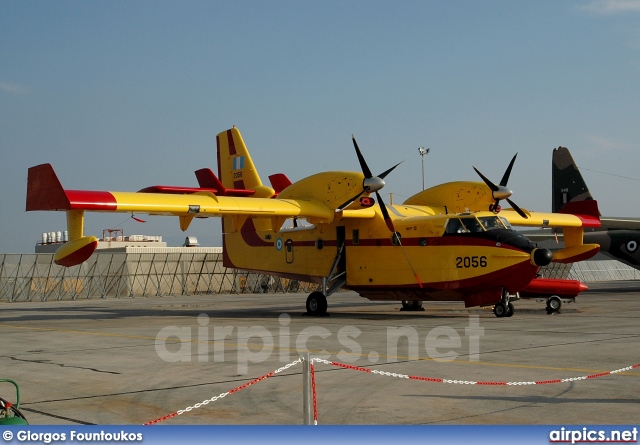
x=505 y=222
x=472 y=225
x=491 y=222
x=454 y=226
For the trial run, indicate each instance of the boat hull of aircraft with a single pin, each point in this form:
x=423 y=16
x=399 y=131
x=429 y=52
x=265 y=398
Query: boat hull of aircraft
x=448 y=268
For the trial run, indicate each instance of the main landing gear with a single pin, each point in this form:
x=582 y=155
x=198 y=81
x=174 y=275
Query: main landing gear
x=317 y=301
x=505 y=307
x=316 y=304
x=412 y=305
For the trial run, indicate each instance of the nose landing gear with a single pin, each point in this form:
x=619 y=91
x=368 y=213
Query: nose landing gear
x=504 y=308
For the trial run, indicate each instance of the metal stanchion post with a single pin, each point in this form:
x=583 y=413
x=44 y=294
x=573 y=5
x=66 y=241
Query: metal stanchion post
x=306 y=389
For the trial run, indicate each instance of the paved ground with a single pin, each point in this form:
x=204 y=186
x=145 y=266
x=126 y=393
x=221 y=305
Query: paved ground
x=129 y=361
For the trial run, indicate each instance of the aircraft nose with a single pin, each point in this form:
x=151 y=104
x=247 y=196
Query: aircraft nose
x=541 y=257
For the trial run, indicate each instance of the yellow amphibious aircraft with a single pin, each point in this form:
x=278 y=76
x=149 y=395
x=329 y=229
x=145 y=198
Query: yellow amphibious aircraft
x=446 y=243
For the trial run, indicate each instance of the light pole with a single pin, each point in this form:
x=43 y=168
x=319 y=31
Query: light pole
x=423 y=151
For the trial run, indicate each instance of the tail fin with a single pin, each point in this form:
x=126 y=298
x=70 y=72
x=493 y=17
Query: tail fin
x=237 y=171
x=235 y=166
x=568 y=184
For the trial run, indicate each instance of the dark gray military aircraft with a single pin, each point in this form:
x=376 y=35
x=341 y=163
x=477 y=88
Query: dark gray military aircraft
x=619 y=237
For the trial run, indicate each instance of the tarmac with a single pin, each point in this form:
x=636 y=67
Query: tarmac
x=132 y=361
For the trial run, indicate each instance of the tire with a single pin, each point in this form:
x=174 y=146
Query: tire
x=411 y=305
x=554 y=303
x=316 y=304
x=510 y=310
x=500 y=310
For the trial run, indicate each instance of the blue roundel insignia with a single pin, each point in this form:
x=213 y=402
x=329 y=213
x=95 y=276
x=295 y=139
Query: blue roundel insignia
x=279 y=244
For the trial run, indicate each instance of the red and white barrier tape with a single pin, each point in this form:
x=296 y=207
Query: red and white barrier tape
x=224 y=394
x=375 y=371
x=465 y=382
x=313 y=392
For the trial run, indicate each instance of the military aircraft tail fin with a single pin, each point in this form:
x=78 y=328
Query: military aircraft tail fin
x=568 y=184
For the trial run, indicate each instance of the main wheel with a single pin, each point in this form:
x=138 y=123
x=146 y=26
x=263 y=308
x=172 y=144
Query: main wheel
x=554 y=303
x=411 y=305
x=500 y=310
x=316 y=304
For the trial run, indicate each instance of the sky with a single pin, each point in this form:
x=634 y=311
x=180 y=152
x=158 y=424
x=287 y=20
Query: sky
x=120 y=95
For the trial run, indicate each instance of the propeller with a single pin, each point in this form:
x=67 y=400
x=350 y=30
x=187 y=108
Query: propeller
x=501 y=191
x=374 y=184
x=370 y=184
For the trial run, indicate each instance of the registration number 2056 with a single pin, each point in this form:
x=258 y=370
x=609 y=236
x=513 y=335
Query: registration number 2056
x=466 y=262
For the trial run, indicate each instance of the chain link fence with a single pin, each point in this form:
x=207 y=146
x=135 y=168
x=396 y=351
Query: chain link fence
x=27 y=277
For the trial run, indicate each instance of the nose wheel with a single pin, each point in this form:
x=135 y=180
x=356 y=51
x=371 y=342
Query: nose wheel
x=503 y=310
x=505 y=307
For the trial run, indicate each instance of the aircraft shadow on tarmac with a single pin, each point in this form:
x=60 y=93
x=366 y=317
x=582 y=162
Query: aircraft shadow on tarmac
x=181 y=309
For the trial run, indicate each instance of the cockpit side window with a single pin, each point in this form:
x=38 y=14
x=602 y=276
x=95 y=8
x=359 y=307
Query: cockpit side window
x=472 y=225
x=491 y=222
x=454 y=226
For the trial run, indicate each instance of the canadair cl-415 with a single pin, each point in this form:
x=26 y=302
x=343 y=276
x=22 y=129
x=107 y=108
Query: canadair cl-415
x=450 y=242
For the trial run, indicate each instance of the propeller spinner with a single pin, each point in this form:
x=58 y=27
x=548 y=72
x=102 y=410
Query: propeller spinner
x=501 y=191
x=370 y=184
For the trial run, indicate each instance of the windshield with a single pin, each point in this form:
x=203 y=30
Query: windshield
x=472 y=224
x=491 y=222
